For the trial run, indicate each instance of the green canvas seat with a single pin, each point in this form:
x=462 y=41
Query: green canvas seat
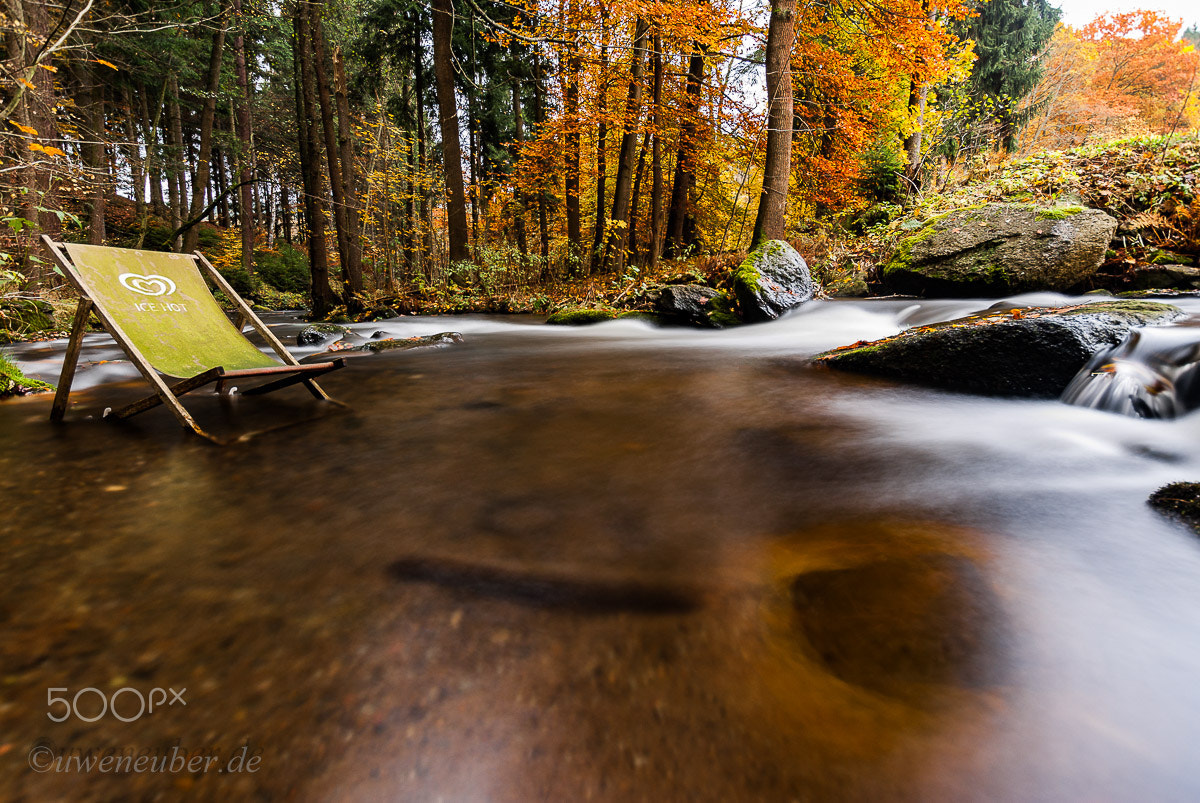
x=159 y=309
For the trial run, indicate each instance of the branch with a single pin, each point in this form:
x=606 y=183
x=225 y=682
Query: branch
x=179 y=232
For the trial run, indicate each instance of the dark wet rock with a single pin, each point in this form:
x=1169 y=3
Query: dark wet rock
x=1028 y=353
x=696 y=305
x=440 y=340
x=583 y=317
x=358 y=347
x=1167 y=276
x=1000 y=249
x=686 y=303
x=318 y=333
x=773 y=279
x=1179 y=501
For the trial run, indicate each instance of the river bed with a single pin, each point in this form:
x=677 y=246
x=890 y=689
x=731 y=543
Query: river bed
x=608 y=563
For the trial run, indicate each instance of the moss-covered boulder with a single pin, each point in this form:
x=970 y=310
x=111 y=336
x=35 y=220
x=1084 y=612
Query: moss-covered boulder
x=1179 y=501
x=773 y=279
x=1030 y=352
x=999 y=249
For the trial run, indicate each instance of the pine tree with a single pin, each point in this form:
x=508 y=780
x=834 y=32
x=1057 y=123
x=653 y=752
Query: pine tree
x=1010 y=38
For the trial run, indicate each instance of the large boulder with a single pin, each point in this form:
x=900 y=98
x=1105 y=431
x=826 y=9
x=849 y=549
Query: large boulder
x=1000 y=249
x=1031 y=352
x=772 y=280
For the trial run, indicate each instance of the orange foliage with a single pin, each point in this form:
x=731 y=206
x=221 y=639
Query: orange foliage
x=1120 y=75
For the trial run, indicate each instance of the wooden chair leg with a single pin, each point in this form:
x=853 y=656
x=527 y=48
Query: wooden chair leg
x=176 y=390
x=83 y=311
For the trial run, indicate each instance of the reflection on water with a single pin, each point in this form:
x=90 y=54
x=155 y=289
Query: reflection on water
x=610 y=563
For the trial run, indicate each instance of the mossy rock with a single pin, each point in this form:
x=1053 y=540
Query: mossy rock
x=1000 y=249
x=15 y=383
x=579 y=316
x=317 y=333
x=1022 y=353
x=772 y=279
x=1179 y=501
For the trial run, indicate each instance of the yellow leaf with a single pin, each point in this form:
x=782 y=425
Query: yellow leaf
x=108 y=64
x=34 y=146
x=52 y=151
x=49 y=67
x=25 y=129
x=27 y=83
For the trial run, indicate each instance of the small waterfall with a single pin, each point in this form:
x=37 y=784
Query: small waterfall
x=1153 y=373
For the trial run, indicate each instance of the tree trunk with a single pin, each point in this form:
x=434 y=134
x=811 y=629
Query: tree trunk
x=310 y=163
x=245 y=142
x=423 y=157
x=679 y=223
x=601 y=141
x=92 y=151
x=137 y=165
x=571 y=100
x=518 y=196
x=656 y=192
x=35 y=110
x=918 y=94
x=285 y=212
x=456 y=201
x=349 y=175
x=353 y=284
x=176 y=182
x=614 y=257
x=191 y=239
x=632 y=244
x=771 y=222
x=154 y=159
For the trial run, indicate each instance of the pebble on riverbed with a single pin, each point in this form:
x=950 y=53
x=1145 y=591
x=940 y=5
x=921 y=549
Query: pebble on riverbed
x=1179 y=501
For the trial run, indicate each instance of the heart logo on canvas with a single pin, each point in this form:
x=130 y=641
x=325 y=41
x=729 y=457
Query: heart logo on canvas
x=152 y=285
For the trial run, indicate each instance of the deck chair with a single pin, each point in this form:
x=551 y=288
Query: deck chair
x=158 y=308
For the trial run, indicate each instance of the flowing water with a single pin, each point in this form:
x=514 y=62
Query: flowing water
x=612 y=563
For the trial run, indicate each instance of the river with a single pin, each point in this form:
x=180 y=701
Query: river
x=612 y=563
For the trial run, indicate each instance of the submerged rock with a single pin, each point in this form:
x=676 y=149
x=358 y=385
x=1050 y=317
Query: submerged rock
x=1000 y=249
x=1031 y=353
x=318 y=333
x=773 y=279
x=439 y=340
x=583 y=317
x=358 y=348
x=1179 y=501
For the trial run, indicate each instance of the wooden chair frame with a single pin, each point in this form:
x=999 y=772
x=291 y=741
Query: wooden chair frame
x=290 y=373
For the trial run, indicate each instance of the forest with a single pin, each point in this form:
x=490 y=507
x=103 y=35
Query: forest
x=464 y=153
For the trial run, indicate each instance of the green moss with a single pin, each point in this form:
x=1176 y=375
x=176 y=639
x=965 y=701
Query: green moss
x=13 y=382
x=581 y=317
x=1148 y=310
x=1058 y=212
